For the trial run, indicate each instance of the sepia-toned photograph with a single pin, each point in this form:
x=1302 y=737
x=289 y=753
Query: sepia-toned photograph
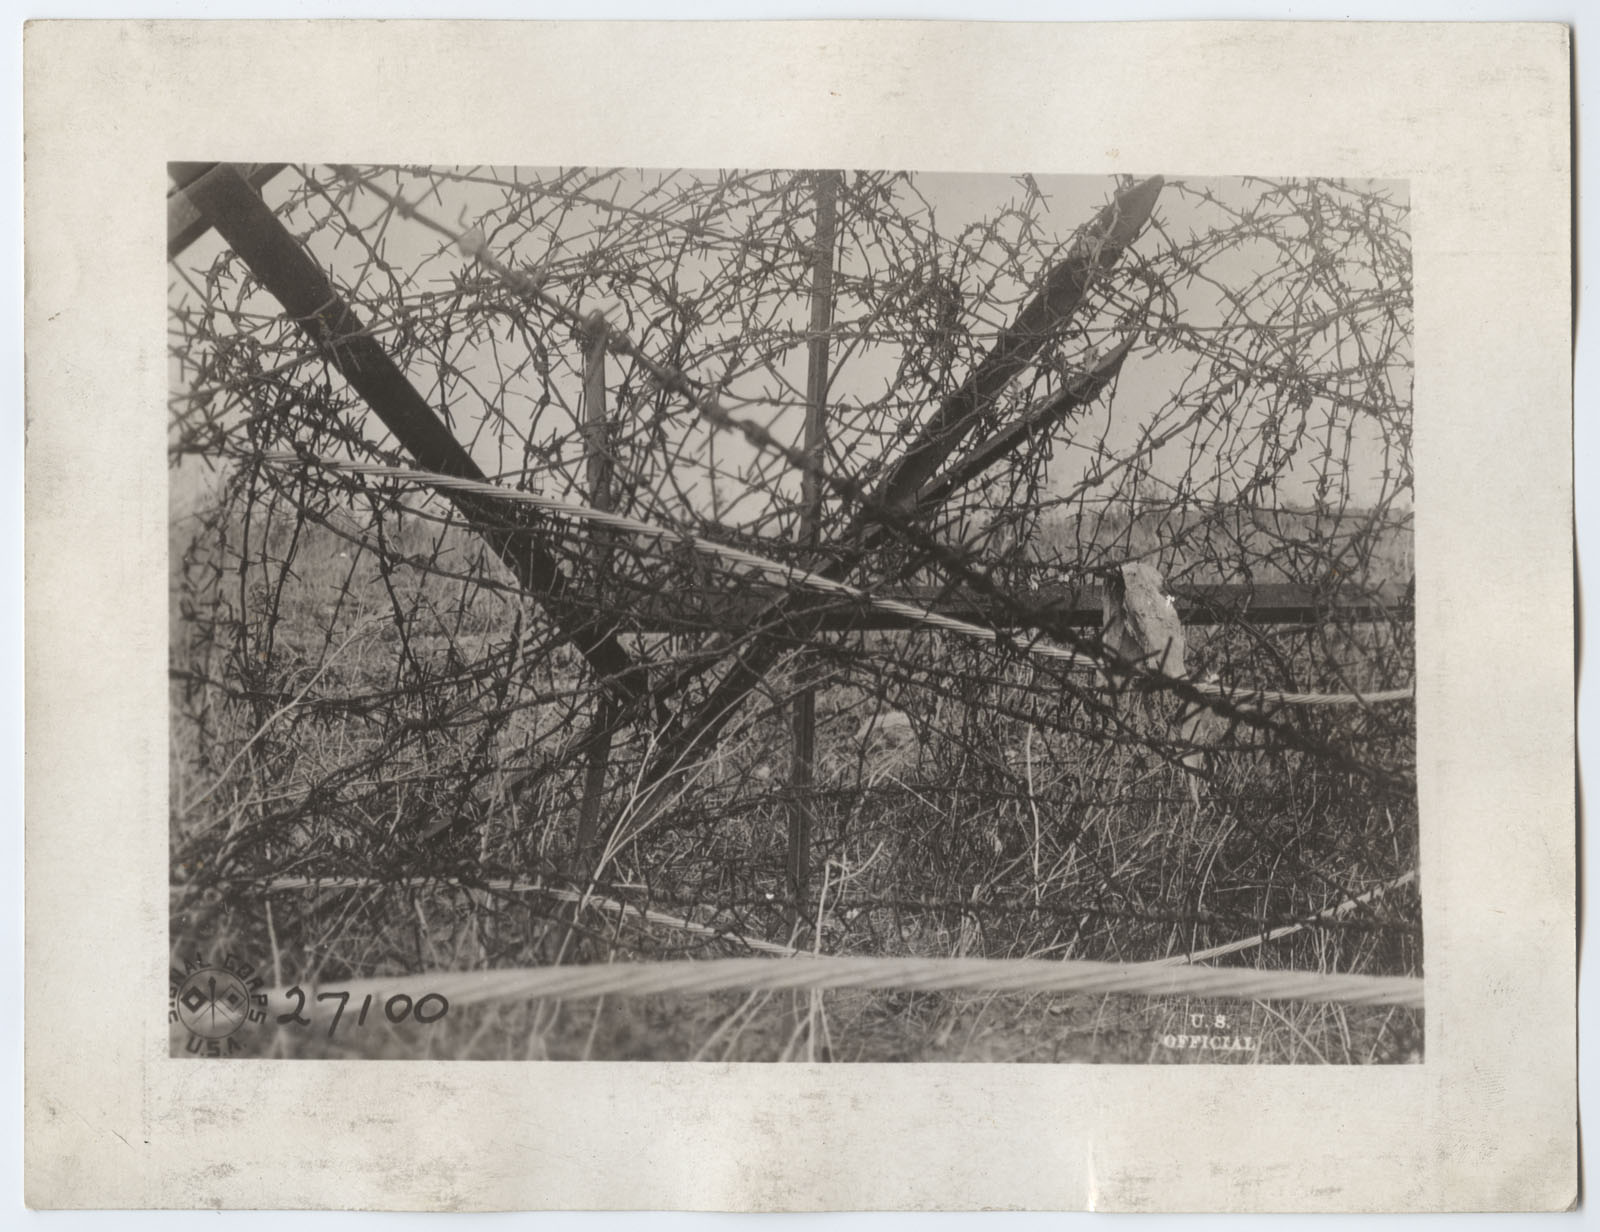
x=843 y=616
x=791 y=615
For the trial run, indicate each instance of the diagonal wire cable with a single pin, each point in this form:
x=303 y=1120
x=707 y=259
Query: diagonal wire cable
x=794 y=576
x=1336 y=912
x=473 y=243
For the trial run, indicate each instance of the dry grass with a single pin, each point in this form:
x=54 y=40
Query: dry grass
x=361 y=722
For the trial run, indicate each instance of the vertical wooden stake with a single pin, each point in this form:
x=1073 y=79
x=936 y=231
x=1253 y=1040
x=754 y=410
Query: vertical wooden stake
x=597 y=478
x=805 y=706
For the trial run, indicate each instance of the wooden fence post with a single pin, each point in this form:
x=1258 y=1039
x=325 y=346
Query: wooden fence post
x=1052 y=307
x=597 y=478
x=802 y=769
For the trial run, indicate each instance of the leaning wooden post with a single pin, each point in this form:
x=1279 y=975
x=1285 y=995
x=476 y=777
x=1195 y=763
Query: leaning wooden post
x=228 y=203
x=805 y=704
x=597 y=479
x=692 y=736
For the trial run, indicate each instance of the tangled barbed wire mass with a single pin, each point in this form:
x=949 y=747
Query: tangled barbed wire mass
x=862 y=563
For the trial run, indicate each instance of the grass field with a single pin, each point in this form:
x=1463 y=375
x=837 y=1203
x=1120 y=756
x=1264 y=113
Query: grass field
x=386 y=711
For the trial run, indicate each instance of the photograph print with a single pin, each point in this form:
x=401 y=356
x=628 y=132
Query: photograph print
x=790 y=615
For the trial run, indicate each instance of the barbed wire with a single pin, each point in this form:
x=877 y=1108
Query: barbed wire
x=452 y=742
x=885 y=513
x=1288 y=930
x=844 y=908
x=520 y=885
x=792 y=575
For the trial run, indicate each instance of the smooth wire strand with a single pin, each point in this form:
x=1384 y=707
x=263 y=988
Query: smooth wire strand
x=804 y=971
x=790 y=575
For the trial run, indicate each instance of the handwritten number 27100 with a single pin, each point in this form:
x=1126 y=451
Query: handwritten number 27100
x=426 y=1009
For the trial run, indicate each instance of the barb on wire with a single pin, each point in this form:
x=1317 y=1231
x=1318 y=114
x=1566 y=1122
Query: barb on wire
x=889 y=508
x=792 y=575
x=1288 y=930
x=1021 y=405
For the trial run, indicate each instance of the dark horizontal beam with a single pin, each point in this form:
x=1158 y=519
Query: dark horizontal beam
x=686 y=610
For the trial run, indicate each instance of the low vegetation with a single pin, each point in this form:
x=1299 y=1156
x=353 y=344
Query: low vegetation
x=382 y=716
